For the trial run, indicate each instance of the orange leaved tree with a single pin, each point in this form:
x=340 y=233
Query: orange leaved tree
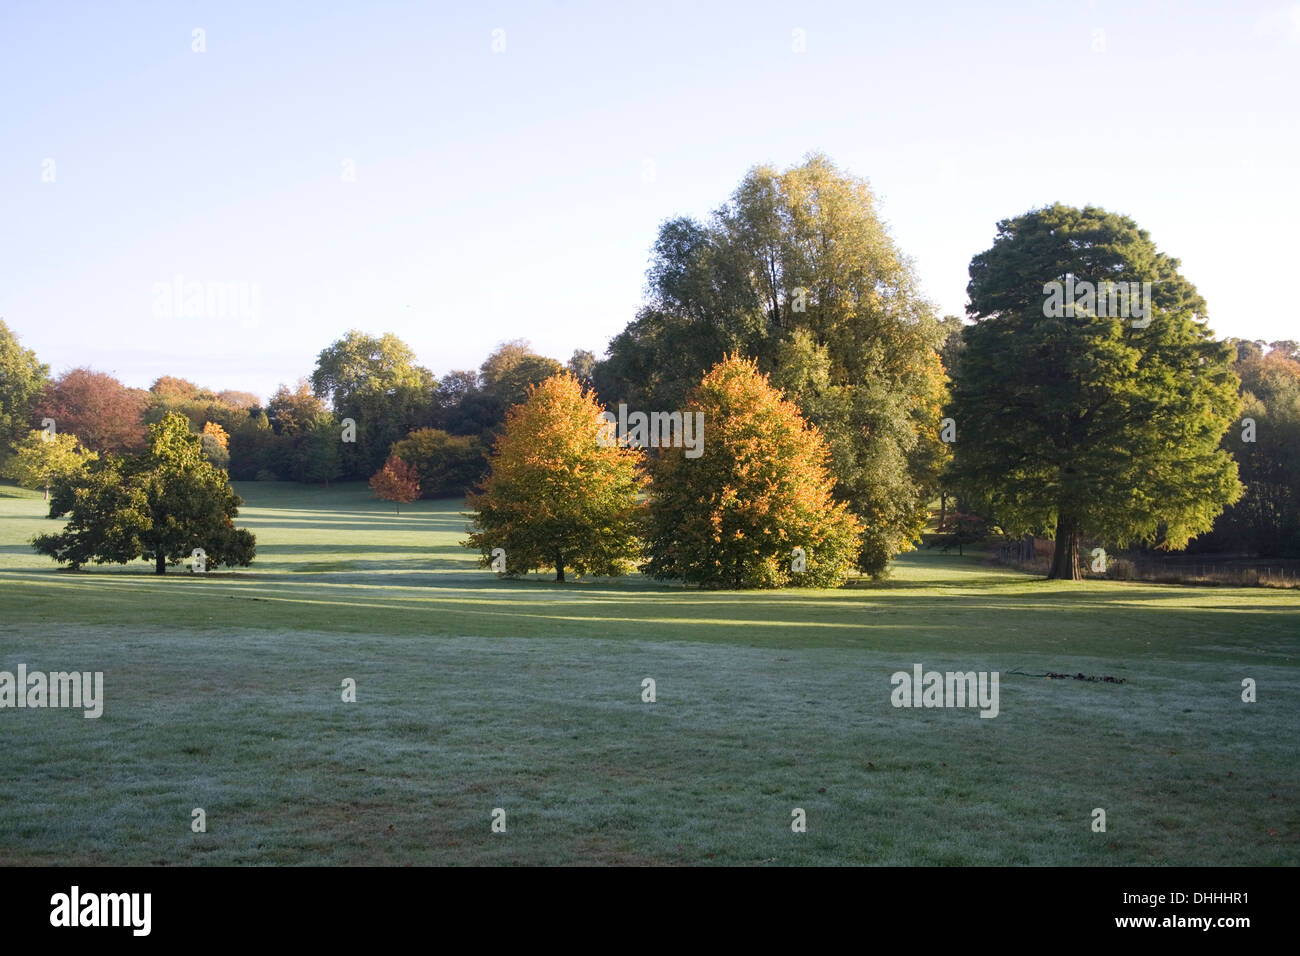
x=558 y=495
x=755 y=508
x=396 y=482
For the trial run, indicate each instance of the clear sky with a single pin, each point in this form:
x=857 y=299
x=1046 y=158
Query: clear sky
x=516 y=192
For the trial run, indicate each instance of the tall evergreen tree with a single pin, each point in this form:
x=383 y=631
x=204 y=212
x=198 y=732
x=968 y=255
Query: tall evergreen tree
x=1094 y=424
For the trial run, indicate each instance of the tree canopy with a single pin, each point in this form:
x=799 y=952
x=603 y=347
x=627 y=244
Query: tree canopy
x=41 y=459
x=376 y=382
x=762 y=488
x=103 y=413
x=798 y=272
x=22 y=378
x=1090 y=424
x=163 y=504
x=555 y=496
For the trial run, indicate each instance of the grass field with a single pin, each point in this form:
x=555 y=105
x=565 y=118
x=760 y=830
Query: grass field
x=223 y=692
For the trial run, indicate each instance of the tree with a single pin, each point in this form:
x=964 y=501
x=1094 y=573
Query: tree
x=396 y=482
x=41 y=459
x=216 y=445
x=251 y=443
x=1266 y=445
x=292 y=412
x=512 y=386
x=238 y=399
x=163 y=504
x=580 y=365
x=103 y=413
x=735 y=516
x=797 y=268
x=447 y=464
x=452 y=389
x=511 y=369
x=376 y=383
x=316 y=453
x=555 y=495
x=504 y=357
x=170 y=388
x=22 y=379
x=1092 y=423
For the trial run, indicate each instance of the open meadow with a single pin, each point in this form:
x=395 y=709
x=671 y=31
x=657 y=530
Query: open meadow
x=222 y=692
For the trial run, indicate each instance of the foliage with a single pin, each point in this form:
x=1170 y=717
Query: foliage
x=798 y=272
x=375 y=382
x=396 y=482
x=162 y=504
x=1088 y=423
x=761 y=488
x=555 y=496
x=22 y=378
x=1266 y=521
x=447 y=464
x=41 y=459
x=103 y=413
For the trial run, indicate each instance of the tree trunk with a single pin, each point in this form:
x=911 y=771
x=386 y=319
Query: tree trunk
x=559 y=568
x=943 y=507
x=160 y=562
x=1065 y=558
x=47 y=490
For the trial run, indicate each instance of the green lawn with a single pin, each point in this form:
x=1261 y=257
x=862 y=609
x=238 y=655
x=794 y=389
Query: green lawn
x=223 y=692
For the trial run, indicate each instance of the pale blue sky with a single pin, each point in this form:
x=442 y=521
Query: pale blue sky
x=503 y=195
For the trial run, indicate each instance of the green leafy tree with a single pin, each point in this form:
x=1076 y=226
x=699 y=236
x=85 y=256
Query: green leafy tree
x=447 y=464
x=1092 y=424
x=1266 y=444
x=375 y=382
x=556 y=496
x=41 y=459
x=22 y=380
x=798 y=268
x=162 y=504
x=734 y=516
x=317 y=454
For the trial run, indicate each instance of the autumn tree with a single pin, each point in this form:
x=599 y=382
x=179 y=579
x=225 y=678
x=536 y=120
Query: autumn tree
x=557 y=495
x=103 y=413
x=171 y=388
x=396 y=482
x=161 y=504
x=41 y=459
x=216 y=445
x=1090 y=420
x=798 y=272
x=22 y=378
x=237 y=399
x=762 y=488
x=290 y=411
